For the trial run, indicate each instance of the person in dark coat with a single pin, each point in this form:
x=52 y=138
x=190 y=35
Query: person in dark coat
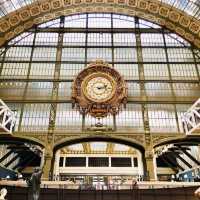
x=35 y=182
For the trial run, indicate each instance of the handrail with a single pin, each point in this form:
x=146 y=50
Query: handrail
x=191 y=118
x=7 y=118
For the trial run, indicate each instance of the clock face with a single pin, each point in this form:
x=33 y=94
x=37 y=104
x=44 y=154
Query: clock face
x=99 y=87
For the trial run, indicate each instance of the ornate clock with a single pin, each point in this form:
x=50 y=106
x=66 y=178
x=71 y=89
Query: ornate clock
x=99 y=90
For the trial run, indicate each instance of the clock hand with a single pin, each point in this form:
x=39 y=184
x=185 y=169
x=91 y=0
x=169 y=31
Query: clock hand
x=101 y=87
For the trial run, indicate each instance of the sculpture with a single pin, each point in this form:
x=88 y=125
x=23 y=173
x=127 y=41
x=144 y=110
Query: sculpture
x=197 y=193
x=3 y=193
x=35 y=182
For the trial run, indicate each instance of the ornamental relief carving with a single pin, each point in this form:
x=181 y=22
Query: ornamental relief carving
x=39 y=137
x=63 y=138
x=133 y=137
x=164 y=138
x=173 y=18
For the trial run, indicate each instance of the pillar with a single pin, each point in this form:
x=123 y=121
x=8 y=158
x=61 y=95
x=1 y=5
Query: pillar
x=150 y=168
x=47 y=167
x=56 y=171
x=47 y=161
x=140 y=164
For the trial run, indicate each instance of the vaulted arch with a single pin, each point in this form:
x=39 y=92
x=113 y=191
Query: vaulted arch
x=7 y=139
x=179 y=140
x=39 y=12
x=132 y=143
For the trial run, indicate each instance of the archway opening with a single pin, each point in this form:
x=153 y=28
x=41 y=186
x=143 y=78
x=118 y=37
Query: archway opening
x=179 y=159
x=99 y=161
x=18 y=157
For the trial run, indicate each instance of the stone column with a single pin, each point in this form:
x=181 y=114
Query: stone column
x=150 y=166
x=56 y=164
x=48 y=158
x=47 y=166
x=140 y=164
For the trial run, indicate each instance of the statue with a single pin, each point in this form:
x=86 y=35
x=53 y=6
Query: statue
x=197 y=193
x=35 y=182
x=3 y=193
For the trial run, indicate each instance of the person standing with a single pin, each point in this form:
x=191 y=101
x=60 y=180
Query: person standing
x=35 y=182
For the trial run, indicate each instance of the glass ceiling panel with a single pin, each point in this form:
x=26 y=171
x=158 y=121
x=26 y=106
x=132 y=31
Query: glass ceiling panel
x=76 y=147
x=121 y=147
x=189 y=6
x=98 y=146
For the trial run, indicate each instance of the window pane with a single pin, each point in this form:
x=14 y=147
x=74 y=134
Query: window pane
x=75 y=162
x=45 y=39
x=98 y=161
x=99 y=39
x=152 y=39
x=73 y=54
x=124 y=39
x=74 y=39
x=180 y=55
x=99 y=53
x=156 y=71
x=154 y=55
x=120 y=162
x=162 y=118
x=44 y=54
x=125 y=55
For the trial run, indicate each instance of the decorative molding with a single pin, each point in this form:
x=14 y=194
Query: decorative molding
x=158 y=139
x=138 y=139
x=155 y=11
x=39 y=138
x=59 y=138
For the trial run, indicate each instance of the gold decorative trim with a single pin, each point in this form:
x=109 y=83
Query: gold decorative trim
x=1 y=40
x=4 y=26
x=24 y=15
x=164 y=12
x=34 y=11
x=174 y=16
x=194 y=27
x=189 y=37
x=19 y=29
x=184 y=21
x=153 y=8
x=160 y=139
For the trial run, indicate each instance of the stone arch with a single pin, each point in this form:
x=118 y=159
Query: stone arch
x=155 y=11
x=102 y=138
x=70 y=141
x=179 y=140
x=19 y=140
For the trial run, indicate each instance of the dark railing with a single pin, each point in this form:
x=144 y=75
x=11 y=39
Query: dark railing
x=180 y=193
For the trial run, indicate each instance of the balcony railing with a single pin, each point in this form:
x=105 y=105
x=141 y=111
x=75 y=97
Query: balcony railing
x=191 y=119
x=7 y=118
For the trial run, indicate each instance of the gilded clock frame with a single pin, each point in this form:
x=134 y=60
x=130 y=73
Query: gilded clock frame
x=95 y=75
x=111 y=105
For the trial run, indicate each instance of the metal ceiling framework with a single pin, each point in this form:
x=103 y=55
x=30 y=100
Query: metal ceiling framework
x=178 y=16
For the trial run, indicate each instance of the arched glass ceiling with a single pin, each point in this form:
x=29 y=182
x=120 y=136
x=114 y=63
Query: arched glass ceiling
x=191 y=7
x=99 y=147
